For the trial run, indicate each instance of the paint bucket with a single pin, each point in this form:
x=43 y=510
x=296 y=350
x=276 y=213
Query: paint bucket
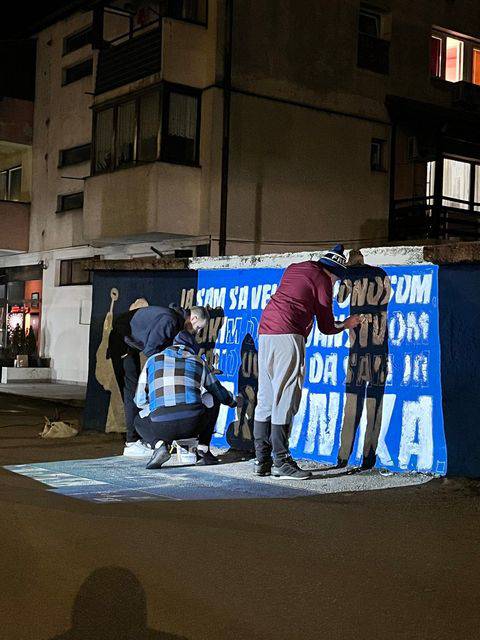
x=186 y=450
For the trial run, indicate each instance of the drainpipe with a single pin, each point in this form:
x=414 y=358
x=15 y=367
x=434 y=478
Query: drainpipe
x=227 y=85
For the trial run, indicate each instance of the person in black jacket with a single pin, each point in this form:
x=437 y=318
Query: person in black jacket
x=147 y=329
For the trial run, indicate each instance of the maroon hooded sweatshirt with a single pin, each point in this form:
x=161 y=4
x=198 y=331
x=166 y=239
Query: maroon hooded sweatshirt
x=304 y=293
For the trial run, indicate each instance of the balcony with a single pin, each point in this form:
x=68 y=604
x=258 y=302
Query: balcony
x=145 y=202
x=373 y=53
x=15 y=226
x=420 y=219
x=129 y=60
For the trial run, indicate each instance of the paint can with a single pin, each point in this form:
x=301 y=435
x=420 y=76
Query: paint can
x=186 y=450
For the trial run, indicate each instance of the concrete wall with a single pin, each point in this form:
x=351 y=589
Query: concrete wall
x=300 y=177
x=62 y=119
x=15 y=221
x=153 y=198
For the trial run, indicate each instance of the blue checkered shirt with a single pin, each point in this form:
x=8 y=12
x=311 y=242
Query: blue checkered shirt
x=170 y=386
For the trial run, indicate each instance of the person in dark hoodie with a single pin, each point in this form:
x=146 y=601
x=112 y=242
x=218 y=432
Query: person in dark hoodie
x=169 y=396
x=305 y=292
x=148 y=329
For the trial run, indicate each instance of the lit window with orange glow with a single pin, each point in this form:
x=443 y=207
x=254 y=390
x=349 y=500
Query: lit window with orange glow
x=476 y=66
x=454 y=60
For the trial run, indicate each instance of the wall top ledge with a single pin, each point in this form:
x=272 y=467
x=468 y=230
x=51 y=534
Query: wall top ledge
x=383 y=256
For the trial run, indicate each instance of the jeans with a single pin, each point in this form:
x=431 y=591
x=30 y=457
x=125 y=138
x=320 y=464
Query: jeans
x=201 y=426
x=131 y=368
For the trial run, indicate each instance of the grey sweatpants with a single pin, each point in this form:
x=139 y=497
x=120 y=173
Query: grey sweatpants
x=281 y=370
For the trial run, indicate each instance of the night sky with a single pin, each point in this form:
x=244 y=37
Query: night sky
x=16 y=22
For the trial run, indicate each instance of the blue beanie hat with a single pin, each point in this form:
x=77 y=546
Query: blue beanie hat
x=187 y=341
x=335 y=261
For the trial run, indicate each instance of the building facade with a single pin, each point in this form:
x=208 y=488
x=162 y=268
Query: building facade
x=212 y=126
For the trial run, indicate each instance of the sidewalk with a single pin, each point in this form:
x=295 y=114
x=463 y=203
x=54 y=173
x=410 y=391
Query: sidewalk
x=72 y=394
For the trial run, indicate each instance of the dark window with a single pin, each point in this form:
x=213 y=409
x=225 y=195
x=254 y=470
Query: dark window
x=377 y=155
x=4 y=185
x=148 y=127
x=77 y=40
x=74 y=155
x=203 y=250
x=125 y=134
x=104 y=140
x=189 y=10
x=77 y=71
x=183 y=253
x=373 y=50
x=369 y=23
x=70 y=201
x=180 y=126
x=11 y=184
x=73 y=272
x=435 y=56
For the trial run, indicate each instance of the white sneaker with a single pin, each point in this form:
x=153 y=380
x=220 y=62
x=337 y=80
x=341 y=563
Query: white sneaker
x=137 y=449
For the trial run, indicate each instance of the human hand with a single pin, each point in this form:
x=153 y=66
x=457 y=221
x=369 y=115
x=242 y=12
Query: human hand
x=239 y=400
x=353 y=321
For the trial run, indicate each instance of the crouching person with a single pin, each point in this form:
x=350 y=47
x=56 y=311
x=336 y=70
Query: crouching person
x=169 y=396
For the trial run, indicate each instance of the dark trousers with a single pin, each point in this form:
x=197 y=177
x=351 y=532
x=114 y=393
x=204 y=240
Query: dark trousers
x=131 y=368
x=201 y=426
x=271 y=440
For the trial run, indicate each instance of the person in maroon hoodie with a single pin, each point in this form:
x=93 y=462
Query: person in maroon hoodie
x=305 y=292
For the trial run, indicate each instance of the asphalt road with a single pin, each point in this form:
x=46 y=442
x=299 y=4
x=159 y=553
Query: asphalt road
x=396 y=563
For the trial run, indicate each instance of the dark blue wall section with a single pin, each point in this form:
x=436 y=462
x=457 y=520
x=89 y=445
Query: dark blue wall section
x=459 y=288
x=114 y=291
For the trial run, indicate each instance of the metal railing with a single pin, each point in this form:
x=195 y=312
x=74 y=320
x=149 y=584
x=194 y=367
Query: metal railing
x=420 y=218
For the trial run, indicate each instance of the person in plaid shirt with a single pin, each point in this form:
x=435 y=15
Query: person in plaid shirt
x=169 y=396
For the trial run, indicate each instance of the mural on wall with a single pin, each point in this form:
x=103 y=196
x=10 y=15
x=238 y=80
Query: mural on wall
x=105 y=375
x=113 y=293
x=382 y=383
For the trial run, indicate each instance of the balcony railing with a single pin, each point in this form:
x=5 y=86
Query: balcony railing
x=373 y=53
x=421 y=219
x=131 y=60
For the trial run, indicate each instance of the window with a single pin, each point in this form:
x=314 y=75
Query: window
x=476 y=66
x=454 y=59
x=74 y=155
x=11 y=184
x=373 y=47
x=125 y=134
x=77 y=71
x=77 y=40
x=377 y=153
x=460 y=184
x=435 y=56
x=180 y=126
x=131 y=132
x=73 y=272
x=189 y=10
x=369 y=23
x=69 y=202
x=104 y=140
x=149 y=127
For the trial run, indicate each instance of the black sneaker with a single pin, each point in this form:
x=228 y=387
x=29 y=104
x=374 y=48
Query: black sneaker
x=205 y=457
x=262 y=468
x=341 y=464
x=159 y=457
x=288 y=469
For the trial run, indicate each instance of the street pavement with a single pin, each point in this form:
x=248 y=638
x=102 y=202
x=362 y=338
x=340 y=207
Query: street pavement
x=342 y=556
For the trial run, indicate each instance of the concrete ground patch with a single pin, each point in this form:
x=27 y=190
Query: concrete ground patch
x=119 y=479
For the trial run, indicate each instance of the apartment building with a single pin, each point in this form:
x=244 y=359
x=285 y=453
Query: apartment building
x=239 y=127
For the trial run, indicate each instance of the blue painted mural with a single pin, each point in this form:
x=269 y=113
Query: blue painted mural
x=381 y=381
